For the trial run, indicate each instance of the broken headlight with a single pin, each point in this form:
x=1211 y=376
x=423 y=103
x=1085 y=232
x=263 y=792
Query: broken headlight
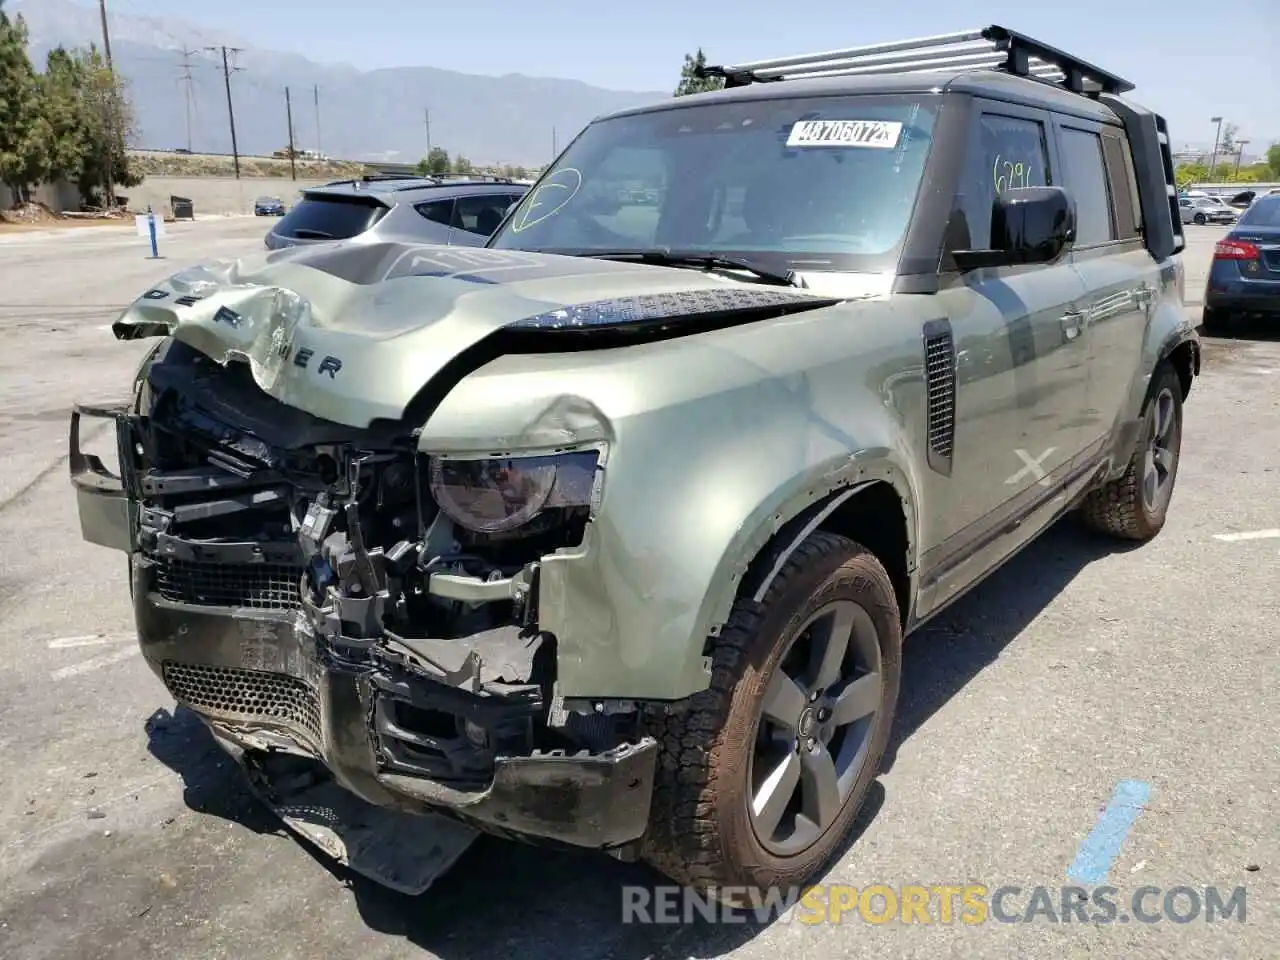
x=500 y=494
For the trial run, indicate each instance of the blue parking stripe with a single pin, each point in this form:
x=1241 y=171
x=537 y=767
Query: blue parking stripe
x=1100 y=848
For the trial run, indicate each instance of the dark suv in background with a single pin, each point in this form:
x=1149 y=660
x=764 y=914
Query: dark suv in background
x=459 y=212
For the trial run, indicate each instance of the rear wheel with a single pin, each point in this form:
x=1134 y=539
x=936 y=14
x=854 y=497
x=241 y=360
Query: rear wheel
x=761 y=780
x=1134 y=506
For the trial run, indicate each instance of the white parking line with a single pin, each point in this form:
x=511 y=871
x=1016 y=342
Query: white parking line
x=90 y=640
x=1247 y=535
x=96 y=663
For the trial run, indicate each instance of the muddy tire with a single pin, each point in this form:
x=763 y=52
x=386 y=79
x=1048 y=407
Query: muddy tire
x=1134 y=506
x=761 y=779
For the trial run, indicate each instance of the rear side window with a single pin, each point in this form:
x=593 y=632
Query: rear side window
x=1263 y=213
x=1124 y=189
x=330 y=218
x=1087 y=180
x=437 y=211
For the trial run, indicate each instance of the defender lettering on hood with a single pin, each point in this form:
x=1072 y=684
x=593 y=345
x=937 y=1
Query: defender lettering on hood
x=391 y=317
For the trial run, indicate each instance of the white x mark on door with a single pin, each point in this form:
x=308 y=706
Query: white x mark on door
x=1032 y=467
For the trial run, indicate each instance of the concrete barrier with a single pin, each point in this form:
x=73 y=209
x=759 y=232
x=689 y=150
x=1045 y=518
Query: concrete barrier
x=215 y=196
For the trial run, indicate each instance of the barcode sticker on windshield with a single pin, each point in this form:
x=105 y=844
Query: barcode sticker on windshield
x=881 y=134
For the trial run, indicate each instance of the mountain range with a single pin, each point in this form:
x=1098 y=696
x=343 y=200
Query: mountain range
x=344 y=112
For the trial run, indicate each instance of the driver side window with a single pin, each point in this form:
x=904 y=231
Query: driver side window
x=1003 y=153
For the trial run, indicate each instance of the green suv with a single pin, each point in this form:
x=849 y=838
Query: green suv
x=608 y=534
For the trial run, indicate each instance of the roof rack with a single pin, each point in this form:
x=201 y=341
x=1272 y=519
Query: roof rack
x=984 y=48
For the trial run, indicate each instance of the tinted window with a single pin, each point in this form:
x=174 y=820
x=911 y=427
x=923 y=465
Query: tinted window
x=437 y=211
x=1124 y=187
x=1082 y=159
x=330 y=218
x=480 y=214
x=1003 y=153
x=820 y=183
x=1263 y=213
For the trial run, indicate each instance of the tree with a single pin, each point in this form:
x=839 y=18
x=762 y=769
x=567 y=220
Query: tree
x=109 y=126
x=1228 y=143
x=1273 y=161
x=62 y=93
x=691 y=82
x=434 y=163
x=461 y=164
x=23 y=136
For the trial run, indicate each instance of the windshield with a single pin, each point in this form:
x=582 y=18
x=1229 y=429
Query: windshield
x=822 y=183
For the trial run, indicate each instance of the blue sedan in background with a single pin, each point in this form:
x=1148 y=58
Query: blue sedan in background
x=268 y=207
x=1245 y=275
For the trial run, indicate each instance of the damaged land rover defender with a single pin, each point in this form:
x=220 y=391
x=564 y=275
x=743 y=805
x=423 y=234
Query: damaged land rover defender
x=608 y=534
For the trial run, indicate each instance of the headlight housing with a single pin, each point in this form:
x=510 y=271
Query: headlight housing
x=497 y=495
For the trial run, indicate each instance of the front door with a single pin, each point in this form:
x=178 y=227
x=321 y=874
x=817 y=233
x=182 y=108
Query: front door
x=1022 y=362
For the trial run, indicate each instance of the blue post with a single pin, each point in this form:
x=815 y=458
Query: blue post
x=151 y=230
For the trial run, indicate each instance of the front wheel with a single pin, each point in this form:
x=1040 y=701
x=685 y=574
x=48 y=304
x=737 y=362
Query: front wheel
x=1200 y=219
x=761 y=779
x=1134 y=506
x=1213 y=321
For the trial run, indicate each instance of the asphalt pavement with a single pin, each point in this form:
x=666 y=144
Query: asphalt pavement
x=1077 y=675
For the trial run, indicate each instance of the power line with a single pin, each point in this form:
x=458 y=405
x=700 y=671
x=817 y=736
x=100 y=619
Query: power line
x=227 y=70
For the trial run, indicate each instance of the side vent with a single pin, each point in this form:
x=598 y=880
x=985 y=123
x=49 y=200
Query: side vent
x=188 y=301
x=940 y=394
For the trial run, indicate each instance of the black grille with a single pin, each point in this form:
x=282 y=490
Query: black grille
x=940 y=386
x=232 y=694
x=259 y=586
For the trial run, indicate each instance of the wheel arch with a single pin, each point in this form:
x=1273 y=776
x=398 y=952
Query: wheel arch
x=872 y=503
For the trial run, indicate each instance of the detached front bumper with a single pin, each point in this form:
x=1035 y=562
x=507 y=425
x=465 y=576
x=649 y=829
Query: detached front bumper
x=222 y=626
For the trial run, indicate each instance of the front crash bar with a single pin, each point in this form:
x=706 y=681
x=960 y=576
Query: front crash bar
x=107 y=507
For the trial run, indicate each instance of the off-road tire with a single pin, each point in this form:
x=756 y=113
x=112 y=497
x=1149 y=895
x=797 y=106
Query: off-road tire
x=700 y=832
x=1117 y=508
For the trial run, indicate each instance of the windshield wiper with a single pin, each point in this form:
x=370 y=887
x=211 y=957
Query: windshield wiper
x=708 y=261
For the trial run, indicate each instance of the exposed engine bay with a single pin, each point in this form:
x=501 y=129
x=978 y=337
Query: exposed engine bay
x=417 y=574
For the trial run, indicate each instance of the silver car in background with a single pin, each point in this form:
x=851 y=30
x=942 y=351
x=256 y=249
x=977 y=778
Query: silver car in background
x=430 y=210
x=1205 y=209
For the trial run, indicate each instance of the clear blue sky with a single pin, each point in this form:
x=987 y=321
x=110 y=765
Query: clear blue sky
x=1190 y=61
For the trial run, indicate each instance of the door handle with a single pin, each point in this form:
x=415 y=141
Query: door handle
x=1072 y=321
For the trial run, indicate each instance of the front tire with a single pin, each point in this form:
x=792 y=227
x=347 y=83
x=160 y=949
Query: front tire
x=1214 y=321
x=1200 y=219
x=760 y=781
x=1134 y=506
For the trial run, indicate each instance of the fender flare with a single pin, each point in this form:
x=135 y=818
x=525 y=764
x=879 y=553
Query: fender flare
x=759 y=551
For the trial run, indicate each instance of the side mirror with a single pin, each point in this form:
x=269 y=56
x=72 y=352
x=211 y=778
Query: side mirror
x=1028 y=225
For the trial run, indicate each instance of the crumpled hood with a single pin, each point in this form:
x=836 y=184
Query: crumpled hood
x=351 y=331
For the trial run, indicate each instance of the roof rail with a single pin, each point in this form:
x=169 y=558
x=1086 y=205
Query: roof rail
x=984 y=48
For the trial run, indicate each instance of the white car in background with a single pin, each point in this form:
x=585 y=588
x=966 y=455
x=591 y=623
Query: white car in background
x=1202 y=208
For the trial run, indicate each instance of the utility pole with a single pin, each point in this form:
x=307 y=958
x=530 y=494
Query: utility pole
x=315 y=94
x=288 y=110
x=554 y=151
x=1239 y=154
x=227 y=70
x=187 y=80
x=108 y=171
x=1213 y=157
x=106 y=34
x=426 y=114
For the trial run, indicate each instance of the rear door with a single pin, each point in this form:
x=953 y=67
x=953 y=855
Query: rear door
x=1118 y=272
